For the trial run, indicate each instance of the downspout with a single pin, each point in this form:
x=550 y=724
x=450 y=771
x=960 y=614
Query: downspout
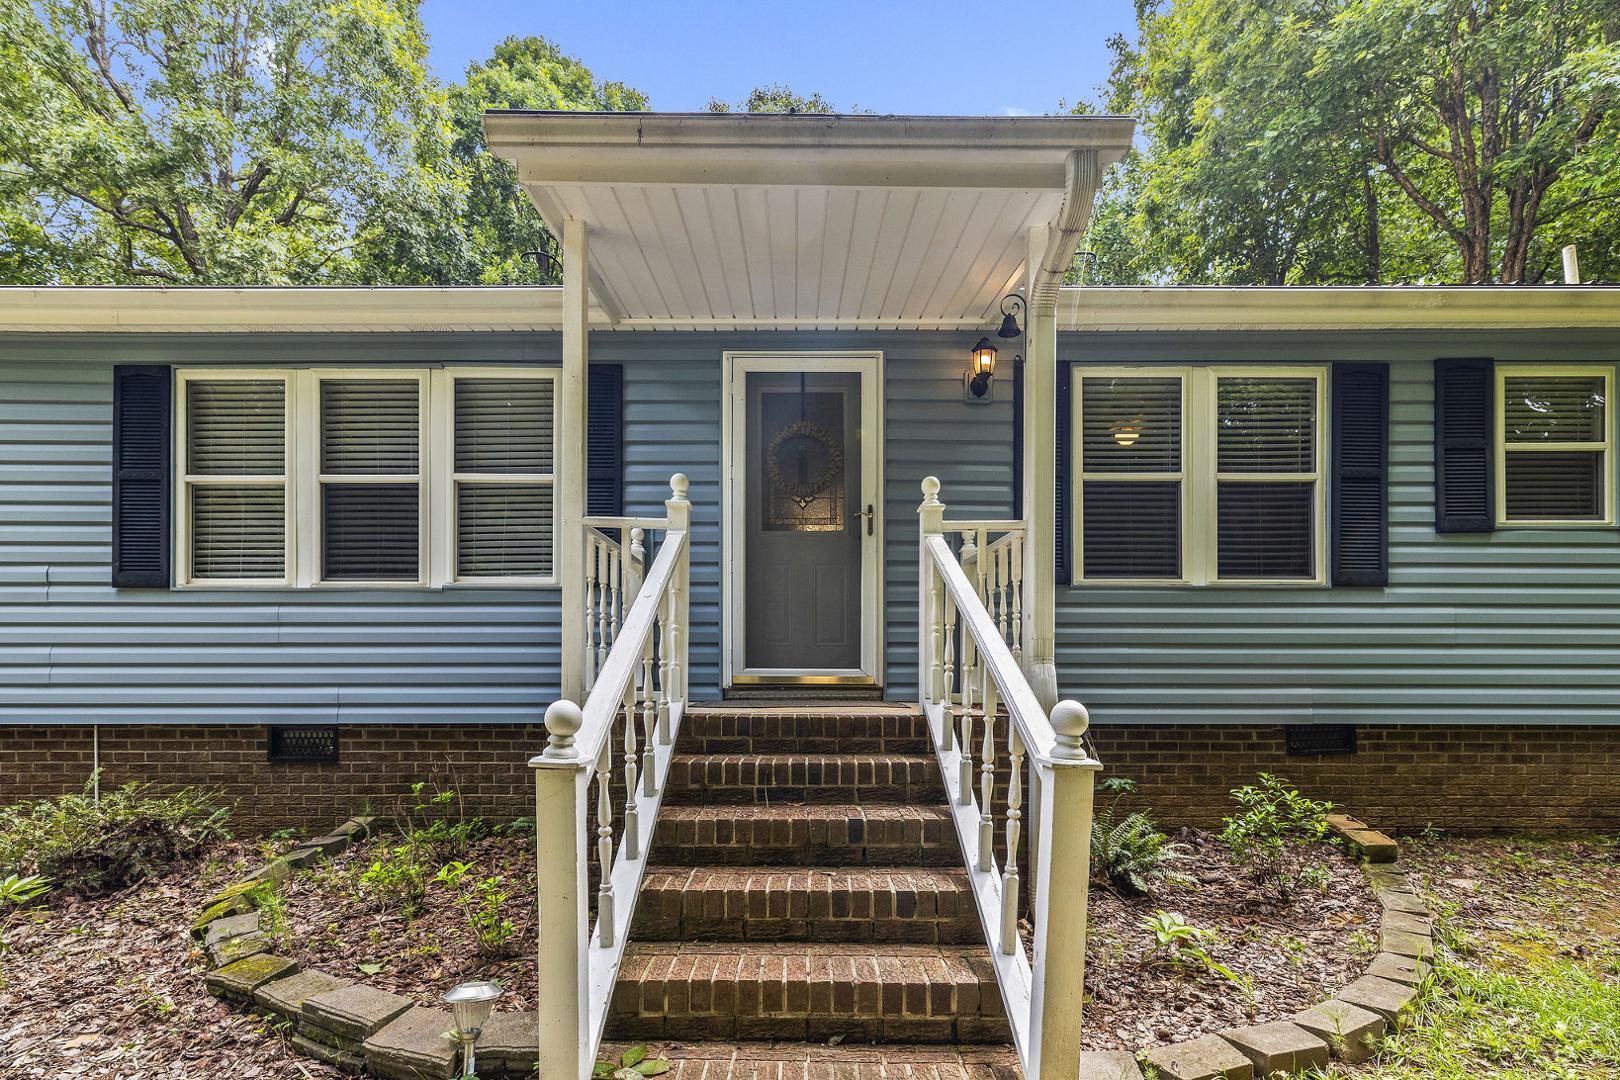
x=1051 y=251
x=95 y=761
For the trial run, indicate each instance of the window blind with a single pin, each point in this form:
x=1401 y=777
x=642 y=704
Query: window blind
x=1131 y=522
x=1564 y=484
x=236 y=429
x=238 y=532
x=370 y=531
x=370 y=426
x=503 y=425
x=503 y=431
x=1265 y=529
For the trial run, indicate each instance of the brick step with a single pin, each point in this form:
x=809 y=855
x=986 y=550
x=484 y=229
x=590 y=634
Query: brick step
x=806 y=835
x=813 y=991
x=805 y=729
x=816 y=1061
x=808 y=778
x=846 y=904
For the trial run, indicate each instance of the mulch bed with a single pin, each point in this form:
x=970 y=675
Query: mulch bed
x=110 y=988
x=1297 y=954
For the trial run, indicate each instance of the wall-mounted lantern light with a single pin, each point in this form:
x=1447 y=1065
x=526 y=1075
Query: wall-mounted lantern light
x=981 y=369
x=1012 y=306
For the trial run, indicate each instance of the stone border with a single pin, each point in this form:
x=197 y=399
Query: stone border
x=1348 y=1026
x=343 y=1022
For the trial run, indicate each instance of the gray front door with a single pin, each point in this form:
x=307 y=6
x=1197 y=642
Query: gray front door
x=802 y=507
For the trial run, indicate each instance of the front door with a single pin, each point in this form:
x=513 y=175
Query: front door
x=804 y=512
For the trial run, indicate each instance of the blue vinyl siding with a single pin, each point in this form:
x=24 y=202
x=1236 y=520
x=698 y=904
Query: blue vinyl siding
x=1519 y=625
x=72 y=649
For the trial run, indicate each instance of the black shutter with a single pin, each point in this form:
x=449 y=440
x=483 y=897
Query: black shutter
x=604 y=436
x=1018 y=440
x=1360 y=475
x=143 y=410
x=1464 y=419
x=1062 y=538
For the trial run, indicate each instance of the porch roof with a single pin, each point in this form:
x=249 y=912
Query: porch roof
x=800 y=221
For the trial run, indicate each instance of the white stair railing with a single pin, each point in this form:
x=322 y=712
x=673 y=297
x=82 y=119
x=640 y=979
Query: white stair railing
x=629 y=723
x=967 y=673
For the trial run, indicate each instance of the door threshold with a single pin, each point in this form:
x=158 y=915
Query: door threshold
x=801 y=692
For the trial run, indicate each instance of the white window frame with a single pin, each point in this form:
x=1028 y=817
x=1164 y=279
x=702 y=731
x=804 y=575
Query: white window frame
x=302 y=480
x=1504 y=372
x=186 y=481
x=448 y=480
x=1200 y=475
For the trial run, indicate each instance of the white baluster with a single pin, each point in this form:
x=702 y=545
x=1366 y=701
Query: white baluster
x=950 y=652
x=1001 y=584
x=591 y=559
x=964 y=776
x=604 y=844
x=666 y=664
x=936 y=674
x=1016 y=559
x=632 y=782
x=649 y=719
x=987 y=782
x=1015 y=817
x=970 y=566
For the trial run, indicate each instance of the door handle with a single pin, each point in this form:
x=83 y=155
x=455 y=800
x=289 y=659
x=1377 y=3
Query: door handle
x=869 y=513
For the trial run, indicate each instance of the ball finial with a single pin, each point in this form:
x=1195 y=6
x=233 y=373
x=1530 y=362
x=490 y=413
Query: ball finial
x=1070 y=720
x=678 y=485
x=930 y=487
x=563 y=721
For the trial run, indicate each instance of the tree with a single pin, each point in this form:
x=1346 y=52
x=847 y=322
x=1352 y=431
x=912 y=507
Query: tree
x=1478 y=109
x=499 y=221
x=777 y=98
x=220 y=141
x=1337 y=141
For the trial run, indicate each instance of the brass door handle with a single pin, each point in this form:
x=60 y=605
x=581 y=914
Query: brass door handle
x=869 y=513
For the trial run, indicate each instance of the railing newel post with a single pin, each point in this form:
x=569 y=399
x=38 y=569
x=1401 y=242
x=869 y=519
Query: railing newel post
x=930 y=519
x=562 y=882
x=678 y=510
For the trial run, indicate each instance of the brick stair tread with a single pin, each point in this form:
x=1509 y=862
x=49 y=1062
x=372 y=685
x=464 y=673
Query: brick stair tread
x=816 y=1061
x=806 y=834
x=830 y=728
x=807 y=903
x=767 y=779
x=810 y=990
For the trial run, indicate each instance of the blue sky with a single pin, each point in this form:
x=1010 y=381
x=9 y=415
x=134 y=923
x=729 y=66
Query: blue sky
x=909 y=57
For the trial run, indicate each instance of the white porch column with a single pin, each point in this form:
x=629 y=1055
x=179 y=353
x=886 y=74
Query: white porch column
x=570 y=487
x=1040 y=478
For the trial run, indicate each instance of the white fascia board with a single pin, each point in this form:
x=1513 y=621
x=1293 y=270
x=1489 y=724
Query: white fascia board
x=1216 y=308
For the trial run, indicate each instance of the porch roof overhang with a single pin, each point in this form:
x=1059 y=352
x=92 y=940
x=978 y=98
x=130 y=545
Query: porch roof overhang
x=801 y=221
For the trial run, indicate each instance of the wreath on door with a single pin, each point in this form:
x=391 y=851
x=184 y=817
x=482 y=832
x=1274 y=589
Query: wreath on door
x=803 y=460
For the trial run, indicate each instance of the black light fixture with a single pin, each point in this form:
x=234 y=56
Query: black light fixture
x=546 y=259
x=1012 y=306
x=981 y=369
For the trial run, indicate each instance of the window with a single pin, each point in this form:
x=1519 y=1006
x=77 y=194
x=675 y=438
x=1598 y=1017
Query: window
x=1554 y=456
x=376 y=477
x=1200 y=475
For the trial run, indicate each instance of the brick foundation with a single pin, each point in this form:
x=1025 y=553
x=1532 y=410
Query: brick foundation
x=1400 y=778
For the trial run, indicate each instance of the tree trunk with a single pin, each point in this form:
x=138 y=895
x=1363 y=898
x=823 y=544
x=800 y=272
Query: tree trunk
x=1371 y=245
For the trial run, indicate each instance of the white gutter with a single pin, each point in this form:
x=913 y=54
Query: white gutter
x=1081 y=176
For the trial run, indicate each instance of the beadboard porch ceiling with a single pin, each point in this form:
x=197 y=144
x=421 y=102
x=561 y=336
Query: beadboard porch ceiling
x=706 y=221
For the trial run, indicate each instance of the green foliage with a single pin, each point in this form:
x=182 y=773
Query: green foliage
x=1128 y=854
x=498 y=221
x=397 y=878
x=1364 y=141
x=240 y=141
x=776 y=98
x=272 y=915
x=86 y=845
x=433 y=820
x=483 y=903
x=1180 y=942
x=633 y=1064
x=1273 y=824
x=17 y=890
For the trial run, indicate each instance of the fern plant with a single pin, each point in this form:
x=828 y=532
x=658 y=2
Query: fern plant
x=633 y=1064
x=1128 y=854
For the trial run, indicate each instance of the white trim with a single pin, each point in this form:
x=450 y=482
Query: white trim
x=339 y=309
x=1504 y=372
x=302 y=480
x=1200 y=476
x=735 y=365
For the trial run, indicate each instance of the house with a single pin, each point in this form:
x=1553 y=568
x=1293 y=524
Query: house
x=814 y=419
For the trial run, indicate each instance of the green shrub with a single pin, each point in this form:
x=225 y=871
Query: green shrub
x=1272 y=828
x=16 y=890
x=1128 y=854
x=483 y=903
x=85 y=845
x=397 y=878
